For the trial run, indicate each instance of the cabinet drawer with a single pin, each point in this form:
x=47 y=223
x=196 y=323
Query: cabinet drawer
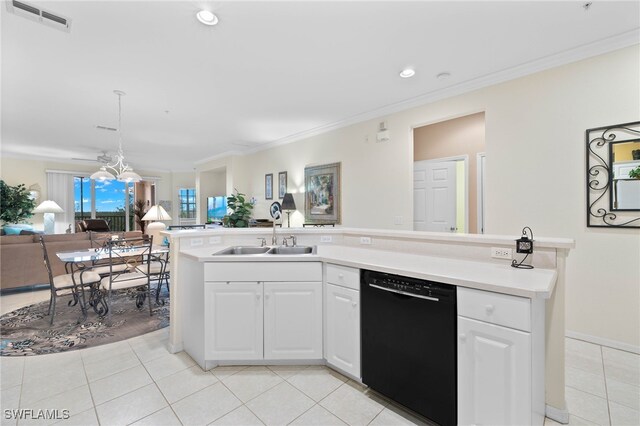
x=343 y=276
x=495 y=308
x=263 y=271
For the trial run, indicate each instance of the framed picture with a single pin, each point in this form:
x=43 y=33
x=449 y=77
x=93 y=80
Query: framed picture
x=268 y=186
x=282 y=184
x=322 y=194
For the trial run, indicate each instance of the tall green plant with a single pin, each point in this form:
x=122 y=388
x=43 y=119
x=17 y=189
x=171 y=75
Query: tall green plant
x=240 y=211
x=16 y=204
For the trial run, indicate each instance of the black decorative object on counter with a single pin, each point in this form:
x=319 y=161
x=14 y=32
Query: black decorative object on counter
x=524 y=244
x=602 y=185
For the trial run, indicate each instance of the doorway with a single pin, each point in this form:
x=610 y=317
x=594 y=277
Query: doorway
x=448 y=186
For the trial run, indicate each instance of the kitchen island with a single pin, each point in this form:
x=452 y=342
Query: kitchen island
x=308 y=288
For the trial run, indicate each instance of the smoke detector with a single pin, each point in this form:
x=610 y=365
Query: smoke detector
x=37 y=14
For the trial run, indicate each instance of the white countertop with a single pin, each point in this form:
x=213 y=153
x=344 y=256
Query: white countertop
x=541 y=242
x=501 y=278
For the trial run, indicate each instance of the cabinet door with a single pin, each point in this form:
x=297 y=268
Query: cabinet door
x=233 y=320
x=494 y=374
x=342 y=328
x=293 y=320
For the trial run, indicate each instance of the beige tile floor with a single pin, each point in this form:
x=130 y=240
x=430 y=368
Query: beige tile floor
x=139 y=382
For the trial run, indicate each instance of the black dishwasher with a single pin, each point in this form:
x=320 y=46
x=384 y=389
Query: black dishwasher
x=409 y=346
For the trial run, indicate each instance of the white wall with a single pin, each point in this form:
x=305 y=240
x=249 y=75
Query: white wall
x=535 y=175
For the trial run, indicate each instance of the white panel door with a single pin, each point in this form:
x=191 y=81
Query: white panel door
x=293 y=320
x=234 y=320
x=494 y=374
x=342 y=328
x=434 y=196
x=419 y=197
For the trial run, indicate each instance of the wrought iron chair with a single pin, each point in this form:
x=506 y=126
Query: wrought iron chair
x=104 y=267
x=135 y=253
x=72 y=284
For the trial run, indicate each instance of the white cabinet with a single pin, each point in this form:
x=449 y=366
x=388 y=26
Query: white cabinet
x=500 y=359
x=292 y=320
x=342 y=318
x=494 y=374
x=342 y=328
x=261 y=316
x=234 y=320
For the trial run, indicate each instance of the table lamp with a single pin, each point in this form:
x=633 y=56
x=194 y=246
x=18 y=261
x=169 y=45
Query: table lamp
x=156 y=213
x=49 y=208
x=288 y=206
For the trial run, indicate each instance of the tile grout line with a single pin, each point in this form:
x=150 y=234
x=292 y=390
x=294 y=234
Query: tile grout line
x=302 y=414
x=153 y=380
x=84 y=370
x=606 y=393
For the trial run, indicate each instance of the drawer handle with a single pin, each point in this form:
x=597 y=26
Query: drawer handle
x=489 y=309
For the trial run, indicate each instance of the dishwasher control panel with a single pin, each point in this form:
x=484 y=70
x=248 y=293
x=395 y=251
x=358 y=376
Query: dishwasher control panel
x=411 y=286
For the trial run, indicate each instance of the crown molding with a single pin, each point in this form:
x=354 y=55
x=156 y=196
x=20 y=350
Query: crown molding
x=579 y=53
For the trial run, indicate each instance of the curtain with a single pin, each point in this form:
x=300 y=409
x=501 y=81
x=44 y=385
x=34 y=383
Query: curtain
x=60 y=190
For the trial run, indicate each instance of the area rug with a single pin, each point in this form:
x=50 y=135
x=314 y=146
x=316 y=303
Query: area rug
x=26 y=331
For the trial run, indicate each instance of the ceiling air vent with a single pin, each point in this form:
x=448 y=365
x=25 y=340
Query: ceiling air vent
x=36 y=14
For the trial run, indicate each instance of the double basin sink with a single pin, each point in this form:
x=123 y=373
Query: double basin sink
x=280 y=250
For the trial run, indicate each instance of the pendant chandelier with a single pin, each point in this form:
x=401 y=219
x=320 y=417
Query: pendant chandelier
x=121 y=170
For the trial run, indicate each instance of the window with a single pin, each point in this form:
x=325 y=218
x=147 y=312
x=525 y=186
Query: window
x=187 y=203
x=104 y=200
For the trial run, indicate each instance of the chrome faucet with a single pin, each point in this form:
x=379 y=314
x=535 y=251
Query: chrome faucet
x=263 y=241
x=293 y=240
x=274 y=240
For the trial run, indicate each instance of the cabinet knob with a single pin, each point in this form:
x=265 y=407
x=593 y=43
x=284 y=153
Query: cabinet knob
x=463 y=337
x=489 y=309
x=354 y=304
x=228 y=282
x=341 y=276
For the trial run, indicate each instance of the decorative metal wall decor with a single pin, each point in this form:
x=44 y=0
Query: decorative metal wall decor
x=607 y=175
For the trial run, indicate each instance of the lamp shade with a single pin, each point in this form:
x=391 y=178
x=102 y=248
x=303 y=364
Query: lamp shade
x=48 y=206
x=129 y=176
x=102 y=175
x=288 y=202
x=156 y=213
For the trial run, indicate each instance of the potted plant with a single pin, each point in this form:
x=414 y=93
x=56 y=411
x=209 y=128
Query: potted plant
x=240 y=211
x=635 y=173
x=16 y=204
x=139 y=212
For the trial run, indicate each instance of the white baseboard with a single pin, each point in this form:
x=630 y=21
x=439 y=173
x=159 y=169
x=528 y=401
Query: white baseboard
x=615 y=344
x=560 y=416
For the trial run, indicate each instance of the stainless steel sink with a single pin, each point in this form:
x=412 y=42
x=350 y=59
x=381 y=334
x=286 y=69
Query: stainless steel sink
x=292 y=250
x=240 y=250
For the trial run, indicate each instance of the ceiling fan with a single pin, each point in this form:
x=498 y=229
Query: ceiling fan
x=103 y=158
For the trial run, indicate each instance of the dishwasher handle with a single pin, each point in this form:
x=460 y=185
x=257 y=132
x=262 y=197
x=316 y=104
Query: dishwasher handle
x=404 y=293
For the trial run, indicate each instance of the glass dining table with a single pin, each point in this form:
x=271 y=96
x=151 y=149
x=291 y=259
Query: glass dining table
x=77 y=260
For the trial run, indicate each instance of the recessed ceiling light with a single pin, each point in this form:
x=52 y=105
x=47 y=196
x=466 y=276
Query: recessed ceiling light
x=207 y=18
x=407 y=72
x=443 y=76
